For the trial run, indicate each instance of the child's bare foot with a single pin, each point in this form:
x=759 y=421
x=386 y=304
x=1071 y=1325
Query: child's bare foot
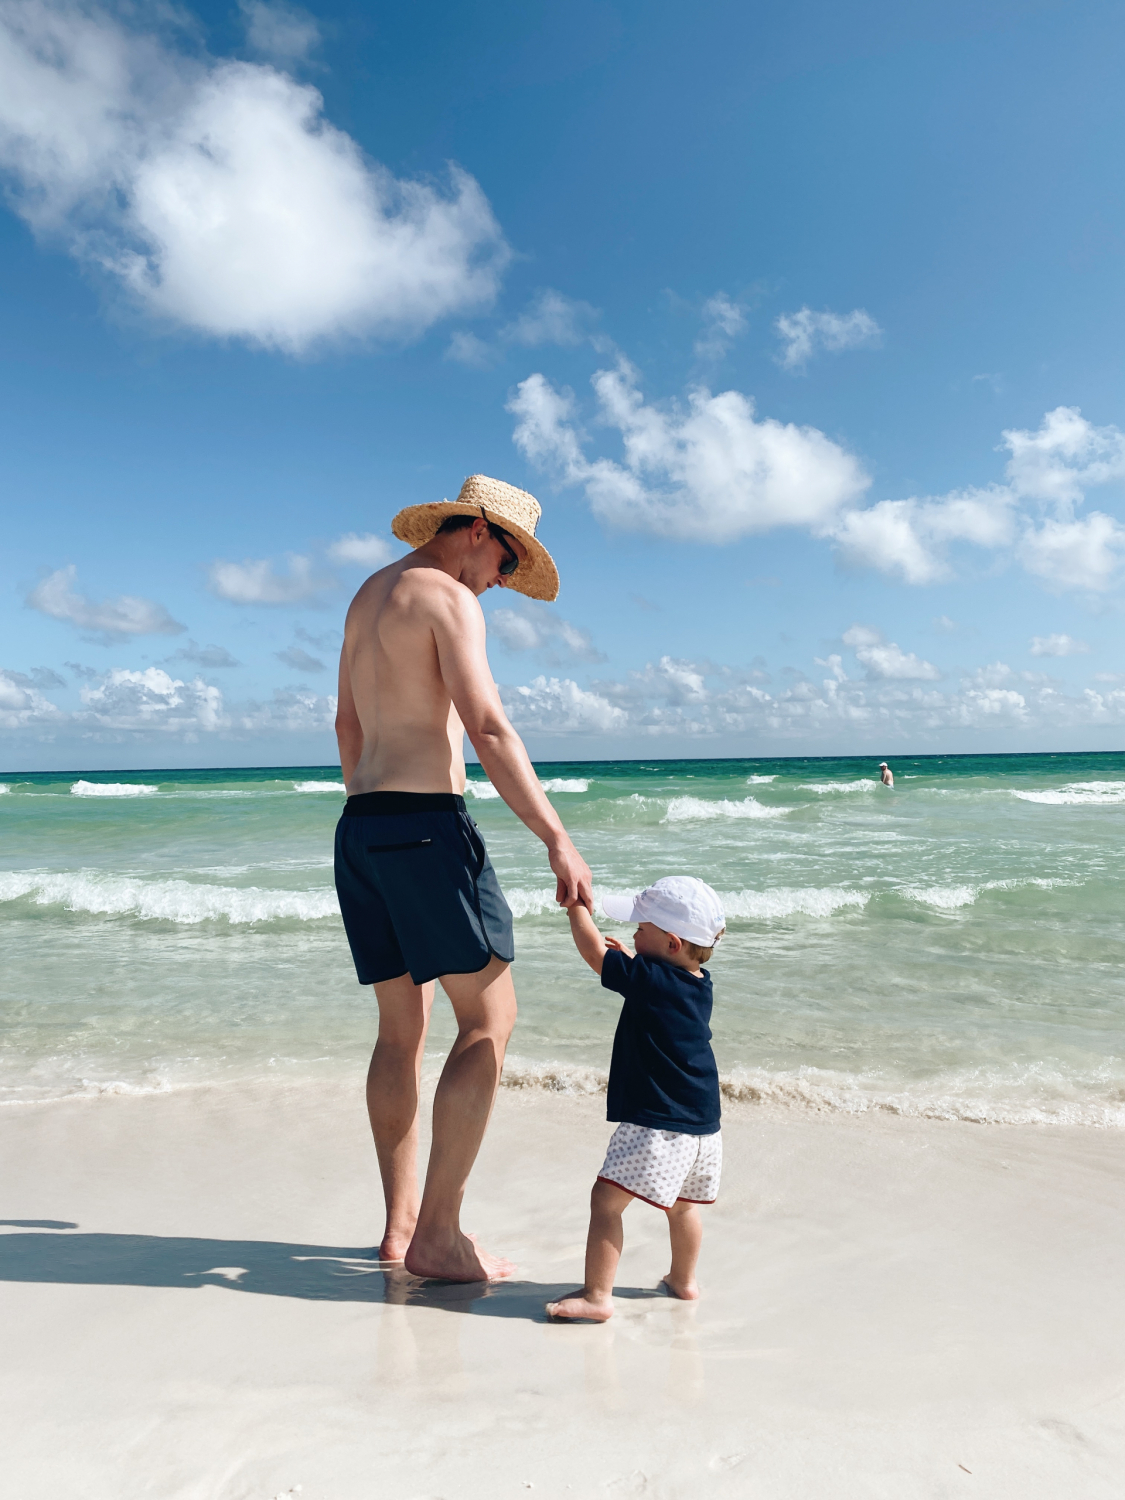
x=686 y=1291
x=582 y=1305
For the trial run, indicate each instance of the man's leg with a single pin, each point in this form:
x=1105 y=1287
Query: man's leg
x=485 y=1007
x=392 y=1103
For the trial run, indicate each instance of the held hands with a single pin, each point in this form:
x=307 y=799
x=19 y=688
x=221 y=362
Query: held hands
x=574 y=883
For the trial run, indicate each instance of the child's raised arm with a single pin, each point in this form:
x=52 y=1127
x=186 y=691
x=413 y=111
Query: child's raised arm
x=588 y=940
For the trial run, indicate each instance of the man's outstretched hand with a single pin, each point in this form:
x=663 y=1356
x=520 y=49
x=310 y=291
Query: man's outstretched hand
x=572 y=873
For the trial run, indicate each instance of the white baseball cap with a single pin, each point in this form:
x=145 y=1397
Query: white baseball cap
x=677 y=903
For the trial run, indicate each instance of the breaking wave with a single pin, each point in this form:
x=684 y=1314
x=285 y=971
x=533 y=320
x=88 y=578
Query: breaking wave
x=821 y=788
x=181 y=901
x=692 y=809
x=785 y=901
x=482 y=789
x=112 y=789
x=565 y=784
x=319 y=786
x=950 y=897
x=760 y=780
x=4 y=787
x=1079 y=794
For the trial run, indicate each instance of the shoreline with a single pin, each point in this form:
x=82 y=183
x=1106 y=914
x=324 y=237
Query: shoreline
x=885 y=1300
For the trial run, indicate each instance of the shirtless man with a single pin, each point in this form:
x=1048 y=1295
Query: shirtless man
x=418 y=894
x=886 y=775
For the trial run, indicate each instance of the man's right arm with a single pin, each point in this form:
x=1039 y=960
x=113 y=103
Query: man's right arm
x=349 y=731
x=460 y=637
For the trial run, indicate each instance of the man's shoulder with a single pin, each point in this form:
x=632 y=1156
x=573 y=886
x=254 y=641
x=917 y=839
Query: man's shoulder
x=424 y=593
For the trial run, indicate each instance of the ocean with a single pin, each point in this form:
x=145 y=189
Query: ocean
x=953 y=948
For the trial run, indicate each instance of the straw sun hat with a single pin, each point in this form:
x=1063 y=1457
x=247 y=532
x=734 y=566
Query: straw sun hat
x=502 y=504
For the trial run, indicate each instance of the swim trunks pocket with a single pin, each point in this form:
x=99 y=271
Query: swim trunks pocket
x=394 y=848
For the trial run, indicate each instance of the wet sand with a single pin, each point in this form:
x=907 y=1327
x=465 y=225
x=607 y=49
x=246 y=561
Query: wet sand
x=891 y=1308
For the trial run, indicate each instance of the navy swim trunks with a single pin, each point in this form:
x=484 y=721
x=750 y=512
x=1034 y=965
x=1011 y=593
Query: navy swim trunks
x=417 y=889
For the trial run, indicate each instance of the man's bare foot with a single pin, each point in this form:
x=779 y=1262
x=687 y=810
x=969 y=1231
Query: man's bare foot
x=686 y=1291
x=394 y=1245
x=582 y=1305
x=457 y=1258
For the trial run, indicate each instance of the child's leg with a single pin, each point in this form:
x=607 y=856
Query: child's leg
x=603 y=1250
x=685 y=1230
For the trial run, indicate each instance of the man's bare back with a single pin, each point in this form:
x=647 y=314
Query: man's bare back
x=414 y=679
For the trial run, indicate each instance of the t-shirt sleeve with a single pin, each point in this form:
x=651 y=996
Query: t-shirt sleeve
x=616 y=967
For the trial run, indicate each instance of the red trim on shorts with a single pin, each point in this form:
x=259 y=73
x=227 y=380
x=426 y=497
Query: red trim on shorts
x=703 y=1201
x=650 y=1201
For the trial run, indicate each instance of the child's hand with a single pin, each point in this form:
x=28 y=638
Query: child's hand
x=611 y=942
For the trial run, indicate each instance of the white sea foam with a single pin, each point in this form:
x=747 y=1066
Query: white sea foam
x=319 y=786
x=822 y=788
x=181 y=901
x=786 y=901
x=525 y=903
x=944 y=897
x=565 y=784
x=1079 y=794
x=1028 y=1101
x=4 y=787
x=484 y=790
x=692 y=809
x=112 y=789
x=760 y=780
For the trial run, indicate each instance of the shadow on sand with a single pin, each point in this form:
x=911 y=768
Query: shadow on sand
x=317 y=1273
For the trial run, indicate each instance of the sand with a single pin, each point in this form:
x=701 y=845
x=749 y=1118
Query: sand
x=892 y=1308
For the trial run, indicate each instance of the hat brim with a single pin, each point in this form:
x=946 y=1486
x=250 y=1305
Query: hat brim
x=537 y=576
x=619 y=908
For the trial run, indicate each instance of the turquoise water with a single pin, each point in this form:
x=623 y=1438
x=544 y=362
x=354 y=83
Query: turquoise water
x=952 y=948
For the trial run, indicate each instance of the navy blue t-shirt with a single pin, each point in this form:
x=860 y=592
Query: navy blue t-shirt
x=663 y=1071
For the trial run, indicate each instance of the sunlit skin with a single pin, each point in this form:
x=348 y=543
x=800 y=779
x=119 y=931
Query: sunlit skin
x=593 y=1302
x=414 y=680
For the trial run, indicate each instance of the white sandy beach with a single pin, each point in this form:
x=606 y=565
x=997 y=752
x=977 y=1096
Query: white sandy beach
x=891 y=1308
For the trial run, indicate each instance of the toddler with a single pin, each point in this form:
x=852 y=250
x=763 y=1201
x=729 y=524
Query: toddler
x=663 y=1083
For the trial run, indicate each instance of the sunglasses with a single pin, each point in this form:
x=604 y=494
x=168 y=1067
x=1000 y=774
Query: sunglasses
x=511 y=562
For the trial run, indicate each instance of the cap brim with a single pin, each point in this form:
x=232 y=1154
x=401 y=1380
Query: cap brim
x=619 y=908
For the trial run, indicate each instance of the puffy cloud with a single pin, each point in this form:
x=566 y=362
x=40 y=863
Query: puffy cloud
x=723 y=320
x=559 y=706
x=367 y=551
x=299 y=659
x=885 y=659
x=534 y=627
x=290 y=711
x=709 y=470
x=1057 y=645
x=804 y=332
x=467 y=349
x=218 y=194
x=1082 y=554
x=110 y=620
x=256 y=582
x=152 y=700
x=908 y=538
x=1062 y=459
x=283 y=33
x=21 y=703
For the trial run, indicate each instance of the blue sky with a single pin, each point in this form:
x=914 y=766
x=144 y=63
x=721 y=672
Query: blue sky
x=804 y=323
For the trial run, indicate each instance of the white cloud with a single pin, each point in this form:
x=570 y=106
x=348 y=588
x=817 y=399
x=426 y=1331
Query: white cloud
x=204 y=656
x=885 y=659
x=299 y=659
x=723 y=320
x=533 y=627
x=559 y=706
x=290 y=711
x=367 y=551
x=468 y=349
x=1061 y=460
x=908 y=538
x=21 y=704
x=256 y=582
x=1083 y=554
x=710 y=471
x=152 y=700
x=1057 y=645
x=283 y=33
x=111 y=619
x=218 y=194
x=804 y=332
x=551 y=318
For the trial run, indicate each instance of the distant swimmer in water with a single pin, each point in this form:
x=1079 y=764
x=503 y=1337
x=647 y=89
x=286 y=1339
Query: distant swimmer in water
x=887 y=775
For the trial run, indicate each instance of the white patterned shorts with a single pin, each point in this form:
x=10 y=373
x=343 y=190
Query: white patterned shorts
x=664 y=1166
